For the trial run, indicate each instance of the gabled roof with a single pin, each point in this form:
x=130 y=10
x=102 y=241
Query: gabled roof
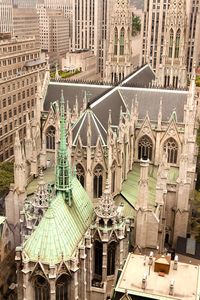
x=111 y=101
x=149 y=100
x=71 y=91
x=142 y=77
x=97 y=129
x=61 y=229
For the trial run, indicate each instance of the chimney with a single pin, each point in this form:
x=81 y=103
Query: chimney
x=144 y=281
x=171 y=287
x=175 y=263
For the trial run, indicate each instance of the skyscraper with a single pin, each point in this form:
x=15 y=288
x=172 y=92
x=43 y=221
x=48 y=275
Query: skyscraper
x=154 y=28
x=6 y=16
x=90 y=27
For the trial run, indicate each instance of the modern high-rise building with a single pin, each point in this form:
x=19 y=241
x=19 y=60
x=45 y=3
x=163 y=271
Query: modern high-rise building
x=26 y=23
x=54 y=32
x=24 y=3
x=90 y=27
x=154 y=28
x=20 y=66
x=6 y=16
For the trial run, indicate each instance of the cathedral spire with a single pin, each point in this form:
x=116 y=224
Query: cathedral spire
x=63 y=171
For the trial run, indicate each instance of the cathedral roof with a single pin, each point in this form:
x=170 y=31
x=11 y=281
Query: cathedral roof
x=143 y=77
x=97 y=129
x=72 y=91
x=61 y=229
x=149 y=99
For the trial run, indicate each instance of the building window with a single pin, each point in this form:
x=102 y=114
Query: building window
x=171 y=39
x=98 y=181
x=50 y=138
x=62 y=287
x=116 y=41
x=98 y=254
x=145 y=148
x=177 y=45
x=80 y=173
x=111 y=258
x=171 y=147
x=113 y=172
x=122 y=33
x=41 y=288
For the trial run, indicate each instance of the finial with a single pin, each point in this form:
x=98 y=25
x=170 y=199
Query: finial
x=109 y=117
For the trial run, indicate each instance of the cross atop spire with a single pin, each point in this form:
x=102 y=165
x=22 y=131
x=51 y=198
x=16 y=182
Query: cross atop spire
x=63 y=171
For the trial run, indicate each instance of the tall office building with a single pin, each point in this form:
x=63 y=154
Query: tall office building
x=90 y=27
x=64 y=5
x=20 y=64
x=54 y=32
x=5 y=16
x=26 y=23
x=154 y=30
x=24 y=3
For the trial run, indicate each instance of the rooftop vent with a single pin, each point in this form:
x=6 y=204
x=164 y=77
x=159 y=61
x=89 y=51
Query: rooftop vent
x=175 y=267
x=171 y=287
x=144 y=281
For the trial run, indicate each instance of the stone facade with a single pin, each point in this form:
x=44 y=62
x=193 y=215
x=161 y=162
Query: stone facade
x=119 y=61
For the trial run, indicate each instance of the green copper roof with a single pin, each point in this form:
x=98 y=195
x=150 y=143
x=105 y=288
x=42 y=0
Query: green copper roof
x=130 y=186
x=62 y=227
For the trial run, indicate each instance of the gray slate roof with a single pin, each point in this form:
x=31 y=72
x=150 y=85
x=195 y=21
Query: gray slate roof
x=142 y=77
x=71 y=91
x=97 y=130
x=149 y=100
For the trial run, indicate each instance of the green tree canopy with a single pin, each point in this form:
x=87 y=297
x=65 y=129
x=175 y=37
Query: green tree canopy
x=6 y=176
x=136 y=25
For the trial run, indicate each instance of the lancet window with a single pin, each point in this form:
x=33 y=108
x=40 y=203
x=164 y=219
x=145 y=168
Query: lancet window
x=122 y=34
x=145 y=148
x=171 y=147
x=50 y=138
x=177 y=45
x=111 y=258
x=42 y=289
x=62 y=287
x=116 y=41
x=98 y=253
x=80 y=173
x=98 y=181
x=113 y=172
x=171 y=39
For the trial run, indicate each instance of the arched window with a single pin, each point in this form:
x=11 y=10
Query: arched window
x=177 y=45
x=113 y=172
x=122 y=34
x=98 y=256
x=116 y=41
x=98 y=181
x=62 y=287
x=42 y=290
x=80 y=173
x=50 y=138
x=145 y=148
x=171 y=147
x=171 y=39
x=111 y=258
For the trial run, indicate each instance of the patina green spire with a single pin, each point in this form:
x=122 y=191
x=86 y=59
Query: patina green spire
x=63 y=171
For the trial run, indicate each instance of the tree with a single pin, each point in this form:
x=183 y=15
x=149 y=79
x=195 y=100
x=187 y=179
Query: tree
x=136 y=25
x=6 y=176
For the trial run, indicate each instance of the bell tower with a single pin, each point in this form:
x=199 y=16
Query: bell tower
x=173 y=69
x=119 y=57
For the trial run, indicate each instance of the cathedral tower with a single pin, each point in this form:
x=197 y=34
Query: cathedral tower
x=172 y=71
x=119 y=57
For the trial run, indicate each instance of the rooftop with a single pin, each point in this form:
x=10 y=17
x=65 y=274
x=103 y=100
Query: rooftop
x=186 y=280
